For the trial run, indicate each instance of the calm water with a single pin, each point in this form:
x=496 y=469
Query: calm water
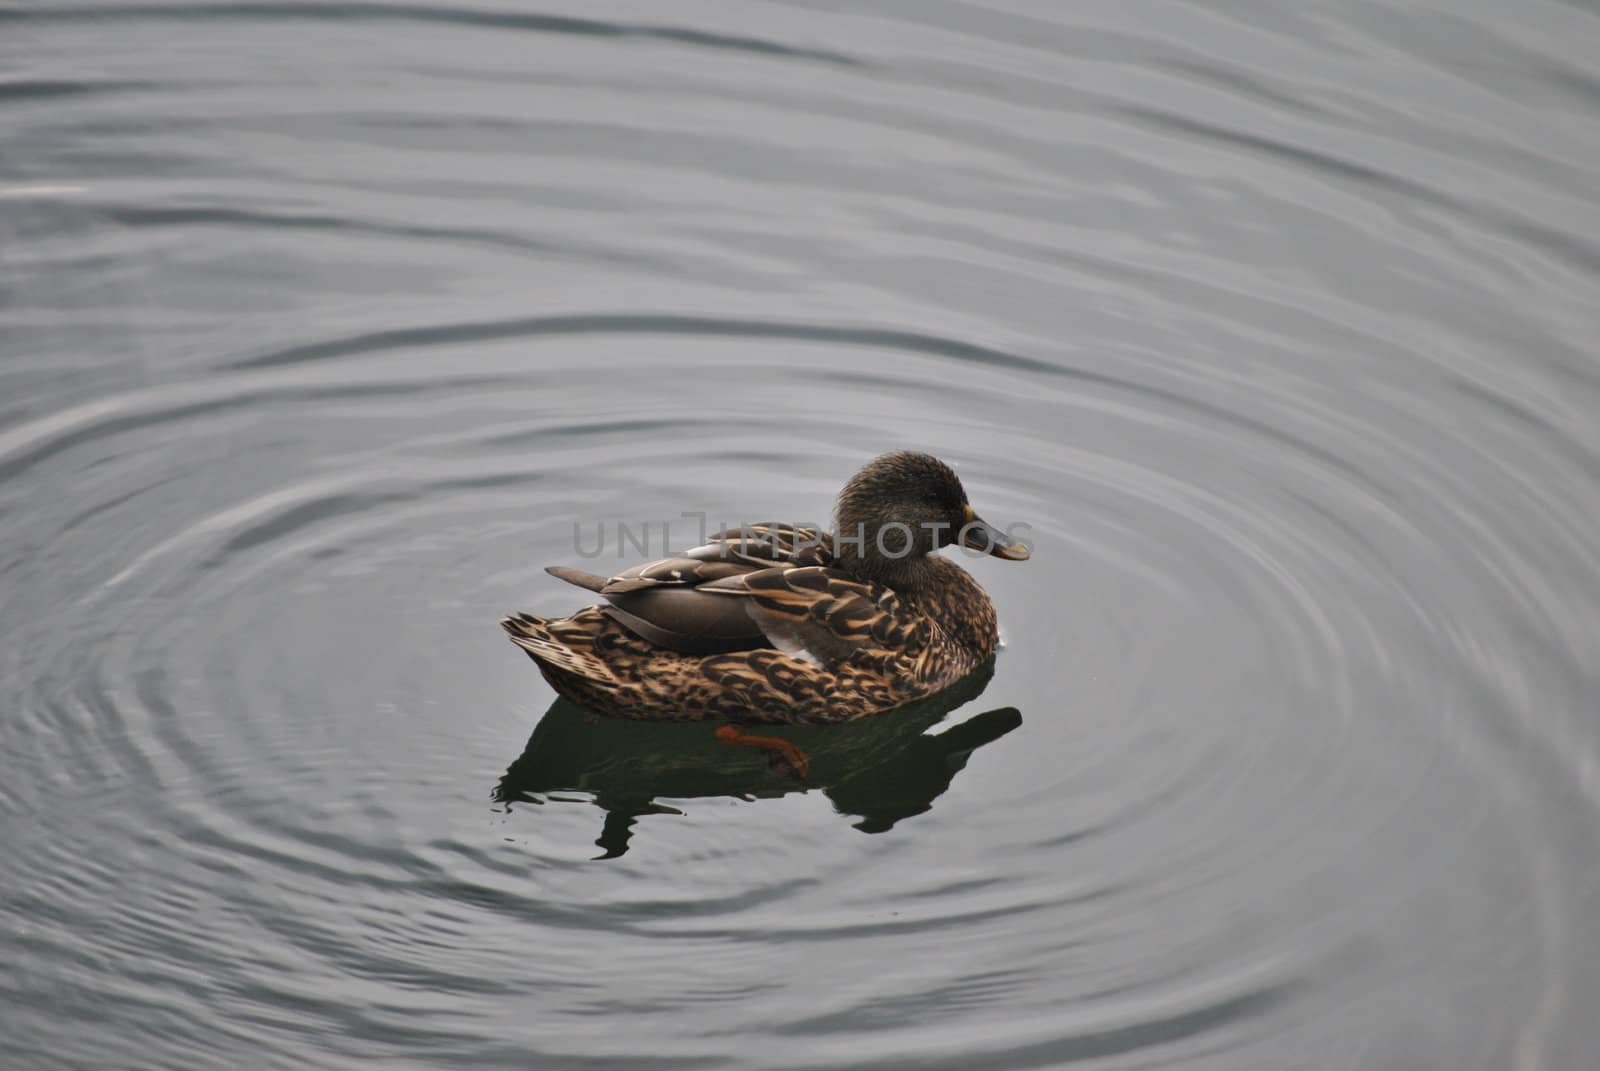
x=323 y=323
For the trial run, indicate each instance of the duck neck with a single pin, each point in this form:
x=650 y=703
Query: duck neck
x=871 y=547
x=912 y=574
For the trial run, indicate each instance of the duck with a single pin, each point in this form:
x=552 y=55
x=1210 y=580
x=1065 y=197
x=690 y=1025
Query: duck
x=778 y=623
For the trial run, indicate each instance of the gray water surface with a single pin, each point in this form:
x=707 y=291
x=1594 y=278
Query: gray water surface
x=322 y=324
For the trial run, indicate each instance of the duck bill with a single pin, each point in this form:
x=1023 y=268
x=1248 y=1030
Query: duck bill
x=976 y=535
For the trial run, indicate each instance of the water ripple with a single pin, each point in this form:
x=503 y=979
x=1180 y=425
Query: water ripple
x=1275 y=330
x=558 y=25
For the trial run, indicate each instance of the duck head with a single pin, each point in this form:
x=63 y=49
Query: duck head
x=902 y=507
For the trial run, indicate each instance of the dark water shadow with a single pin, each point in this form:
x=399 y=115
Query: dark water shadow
x=881 y=769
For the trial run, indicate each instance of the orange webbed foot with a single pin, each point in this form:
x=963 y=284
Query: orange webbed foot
x=777 y=749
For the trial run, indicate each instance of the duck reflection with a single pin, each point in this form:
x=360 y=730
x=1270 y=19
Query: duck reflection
x=880 y=769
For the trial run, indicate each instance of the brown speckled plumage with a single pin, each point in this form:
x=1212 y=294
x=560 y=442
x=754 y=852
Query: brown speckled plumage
x=825 y=636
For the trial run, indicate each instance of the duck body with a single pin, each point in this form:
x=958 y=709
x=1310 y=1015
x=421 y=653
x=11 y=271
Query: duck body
x=773 y=623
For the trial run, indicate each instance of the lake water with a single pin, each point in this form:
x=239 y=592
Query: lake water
x=323 y=325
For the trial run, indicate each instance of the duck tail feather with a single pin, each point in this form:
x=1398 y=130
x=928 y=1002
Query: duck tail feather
x=533 y=634
x=582 y=579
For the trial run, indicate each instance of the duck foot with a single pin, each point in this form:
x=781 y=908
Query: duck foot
x=781 y=751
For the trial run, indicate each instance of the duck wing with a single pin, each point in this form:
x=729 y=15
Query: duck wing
x=776 y=544
x=818 y=614
x=664 y=602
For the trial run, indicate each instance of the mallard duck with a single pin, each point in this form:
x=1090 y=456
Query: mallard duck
x=776 y=623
